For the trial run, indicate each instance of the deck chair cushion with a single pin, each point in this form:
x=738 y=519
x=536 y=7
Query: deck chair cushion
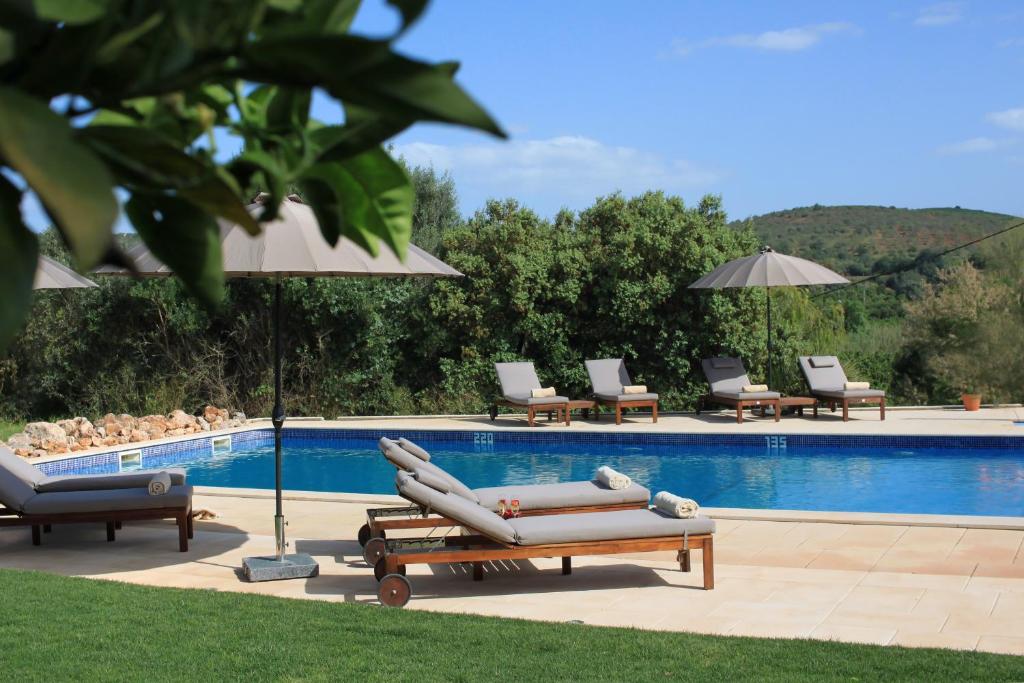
x=114 y=480
x=66 y=502
x=518 y=380
x=850 y=393
x=465 y=512
x=20 y=467
x=428 y=479
x=748 y=395
x=605 y=526
x=17 y=479
x=404 y=460
x=564 y=495
x=613 y=525
x=410 y=447
x=649 y=396
x=727 y=377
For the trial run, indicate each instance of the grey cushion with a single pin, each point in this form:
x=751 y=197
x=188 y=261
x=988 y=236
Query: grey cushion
x=517 y=379
x=850 y=393
x=428 y=479
x=527 y=400
x=605 y=526
x=14 y=491
x=404 y=460
x=20 y=467
x=608 y=375
x=414 y=449
x=824 y=361
x=62 y=502
x=117 y=480
x=728 y=379
x=627 y=397
x=465 y=512
x=747 y=395
x=565 y=495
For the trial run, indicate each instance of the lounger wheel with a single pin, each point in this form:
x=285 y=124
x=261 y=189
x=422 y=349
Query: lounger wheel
x=374 y=550
x=364 y=534
x=394 y=591
x=493 y=412
x=380 y=569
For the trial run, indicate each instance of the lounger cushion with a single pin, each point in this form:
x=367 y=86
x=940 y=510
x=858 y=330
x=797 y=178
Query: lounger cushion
x=428 y=479
x=850 y=393
x=404 y=460
x=627 y=397
x=517 y=379
x=723 y=363
x=62 y=502
x=824 y=361
x=605 y=526
x=19 y=467
x=747 y=395
x=565 y=495
x=527 y=400
x=608 y=375
x=14 y=491
x=465 y=512
x=414 y=449
x=727 y=376
x=116 y=480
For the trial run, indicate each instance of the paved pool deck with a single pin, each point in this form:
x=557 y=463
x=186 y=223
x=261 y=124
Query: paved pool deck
x=914 y=580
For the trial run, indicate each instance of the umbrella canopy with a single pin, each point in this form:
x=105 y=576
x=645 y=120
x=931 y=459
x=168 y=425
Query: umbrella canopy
x=291 y=246
x=53 y=275
x=768 y=269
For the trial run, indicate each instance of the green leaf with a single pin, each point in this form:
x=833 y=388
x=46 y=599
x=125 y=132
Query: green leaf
x=71 y=11
x=256 y=169
x=367 y=73
x=364 y=129
x=143 y=159
x=72 y=183
x=372 y=199
x=116 y=44
x=185 y=238
x=18 y=258
x=410 y=11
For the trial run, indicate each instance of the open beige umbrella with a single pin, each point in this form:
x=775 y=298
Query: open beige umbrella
x=768 y=269
x=53 y=275
x=291 y=246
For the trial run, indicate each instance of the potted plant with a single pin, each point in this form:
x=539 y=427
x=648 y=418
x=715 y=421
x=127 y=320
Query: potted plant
x=971 y=400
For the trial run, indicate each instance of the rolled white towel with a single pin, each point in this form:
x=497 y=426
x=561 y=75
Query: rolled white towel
x=546 y=392
x=612 y=479
x=858 y=385
x=634 y=389
x=677 y=506
x=159 y=484
x=754 y=388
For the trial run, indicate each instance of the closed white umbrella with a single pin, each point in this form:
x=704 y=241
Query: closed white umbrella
x=53 y=275
x=768 y=269
x=292 y=246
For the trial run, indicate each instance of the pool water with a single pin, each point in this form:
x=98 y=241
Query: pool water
x=971 y=481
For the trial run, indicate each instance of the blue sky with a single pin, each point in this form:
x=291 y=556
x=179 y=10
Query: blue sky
x=771 y=105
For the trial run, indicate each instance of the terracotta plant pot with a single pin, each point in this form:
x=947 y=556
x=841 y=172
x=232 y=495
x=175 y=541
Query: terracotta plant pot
x=971 y=401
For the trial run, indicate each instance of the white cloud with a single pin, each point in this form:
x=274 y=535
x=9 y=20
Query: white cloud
x=784 y=40
x=975 y=146
x=940 y=14
x=1010 y=118
x=574 y=168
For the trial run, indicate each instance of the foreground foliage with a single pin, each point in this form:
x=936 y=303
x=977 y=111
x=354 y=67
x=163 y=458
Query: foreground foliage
x=136 y=95
x=113 y=631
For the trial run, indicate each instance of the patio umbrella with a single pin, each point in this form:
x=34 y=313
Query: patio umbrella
x=768 y=269
x=53 y=275
x=292 y=246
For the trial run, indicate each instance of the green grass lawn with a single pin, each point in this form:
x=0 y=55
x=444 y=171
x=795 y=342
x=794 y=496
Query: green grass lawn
x=57 y=628
x=8 y=428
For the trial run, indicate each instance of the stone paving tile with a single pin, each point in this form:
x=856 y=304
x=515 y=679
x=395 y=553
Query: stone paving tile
x=946 y=582
x=1002 y=645
x=986 y=626
x=880 y=600
x=854 y=634
x=936 y=602
x=951 y=641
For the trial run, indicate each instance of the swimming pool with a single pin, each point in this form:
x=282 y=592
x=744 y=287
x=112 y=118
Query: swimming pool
x=938 y=475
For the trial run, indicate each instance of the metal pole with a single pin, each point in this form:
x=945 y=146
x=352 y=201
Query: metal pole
x=278 y=420
x=771 y=387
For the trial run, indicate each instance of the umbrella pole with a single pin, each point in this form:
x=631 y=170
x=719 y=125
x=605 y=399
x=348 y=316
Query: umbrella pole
x=278 y=420
x=771 y=387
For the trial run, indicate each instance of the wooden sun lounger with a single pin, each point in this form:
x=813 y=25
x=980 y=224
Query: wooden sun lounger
x=395 y=590
x=112 y=518
x=739 y=404
x=558 y=410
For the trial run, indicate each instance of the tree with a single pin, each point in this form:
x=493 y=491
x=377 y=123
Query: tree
x=143 y=91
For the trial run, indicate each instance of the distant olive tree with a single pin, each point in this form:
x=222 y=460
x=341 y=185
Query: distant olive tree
x=132 y=95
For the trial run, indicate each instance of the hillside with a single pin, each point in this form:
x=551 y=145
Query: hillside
x=851 y=239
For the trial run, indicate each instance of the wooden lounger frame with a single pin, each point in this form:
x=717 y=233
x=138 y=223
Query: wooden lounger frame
x=558 y=409
x=112 y=518
x=740 y=404
x=395 y=589
x=379 y=520
x=651 y=403
x=832 y=402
